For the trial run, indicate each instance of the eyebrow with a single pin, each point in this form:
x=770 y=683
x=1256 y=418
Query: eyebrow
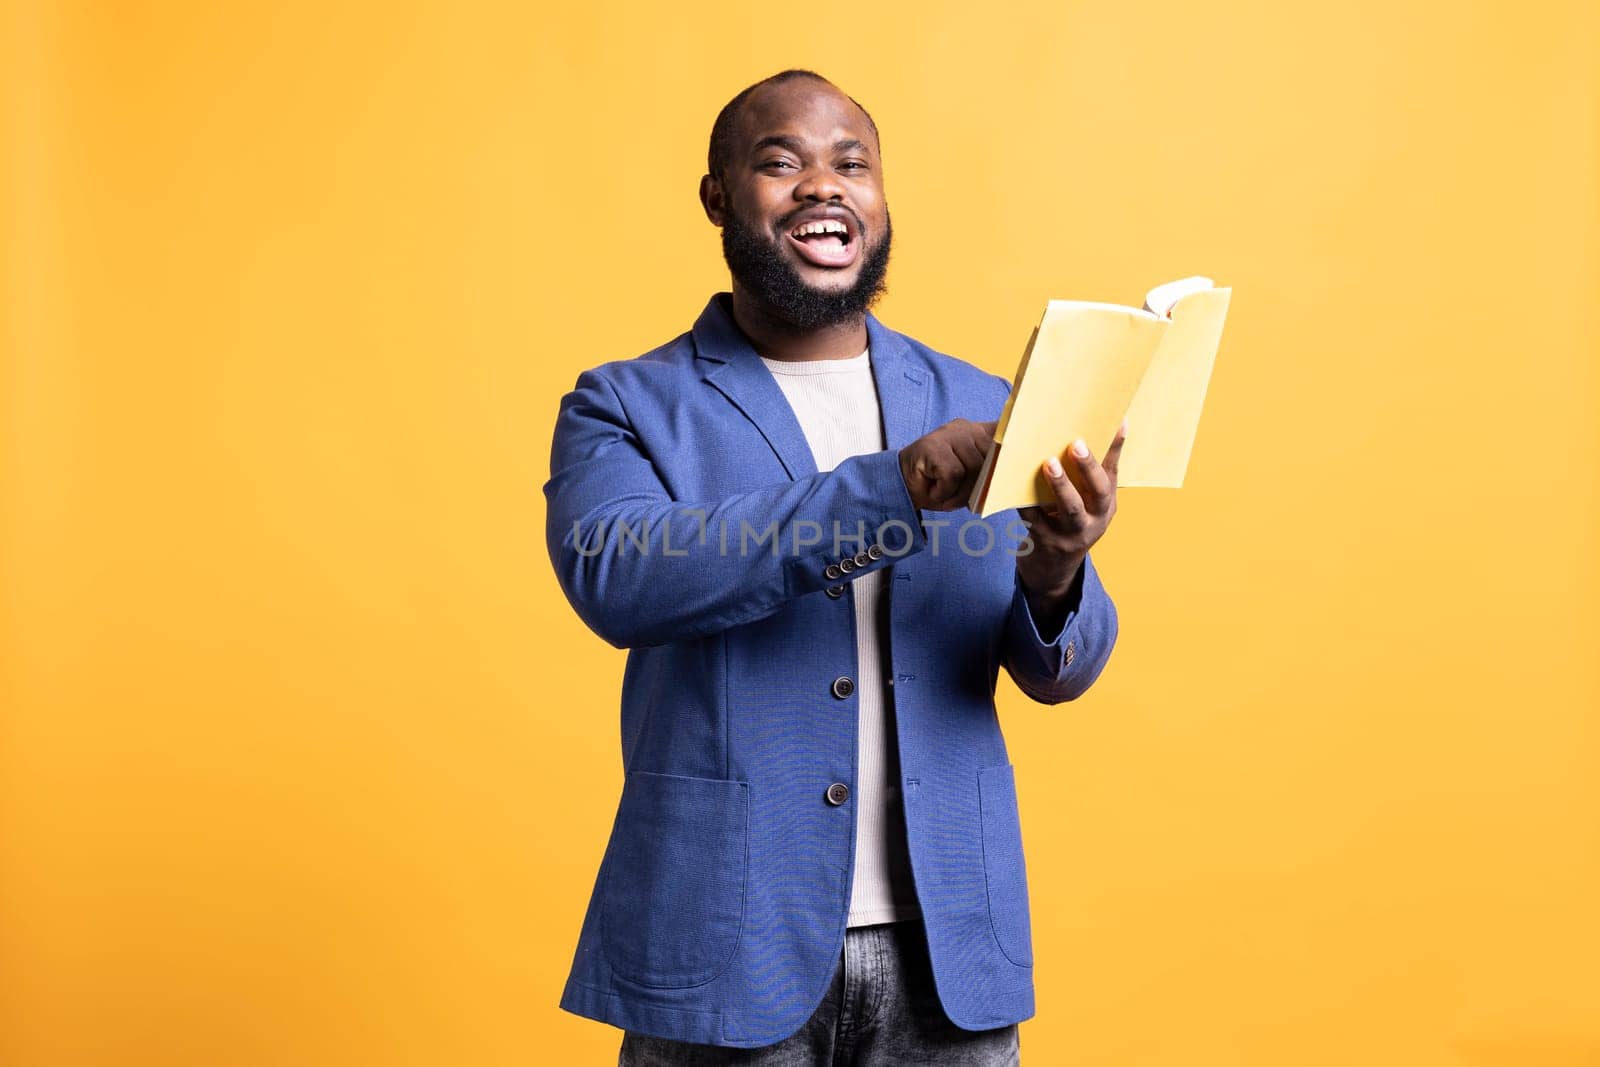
x=792 y=144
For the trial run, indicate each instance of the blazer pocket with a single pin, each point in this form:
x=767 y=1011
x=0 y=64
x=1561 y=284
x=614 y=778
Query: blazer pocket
x=1005 y=873
x=673 y=903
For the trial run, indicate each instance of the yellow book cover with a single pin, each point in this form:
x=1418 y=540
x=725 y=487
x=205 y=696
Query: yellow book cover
x=1087 y=366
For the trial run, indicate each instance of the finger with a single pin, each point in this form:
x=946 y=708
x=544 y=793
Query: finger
x=1114 y=454
x=934 y=464
x=970 y=450
x=964 y=493
x=1069 y=504
x=949 y=472
x=1094 y=484
x=981 y=432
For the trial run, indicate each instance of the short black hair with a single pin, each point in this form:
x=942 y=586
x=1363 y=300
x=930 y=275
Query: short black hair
x=722 y=129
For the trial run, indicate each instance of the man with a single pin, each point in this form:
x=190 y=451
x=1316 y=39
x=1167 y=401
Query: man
x=817 y=855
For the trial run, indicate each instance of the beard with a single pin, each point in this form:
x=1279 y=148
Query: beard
x=759 y=266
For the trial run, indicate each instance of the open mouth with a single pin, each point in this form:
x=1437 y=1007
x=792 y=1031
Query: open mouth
x=826 y=242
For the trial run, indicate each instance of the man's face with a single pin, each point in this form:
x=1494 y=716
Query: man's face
x=805 y=228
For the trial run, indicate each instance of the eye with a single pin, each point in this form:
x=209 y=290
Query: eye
x=852 y=164
x=773 y=164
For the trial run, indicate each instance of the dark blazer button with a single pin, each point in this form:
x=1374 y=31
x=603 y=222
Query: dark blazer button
x=862 y=559
x=847 y=565
x=832 y=572
x=836 y=591
x=874 y=551
x=838 y=793
x=843 y=687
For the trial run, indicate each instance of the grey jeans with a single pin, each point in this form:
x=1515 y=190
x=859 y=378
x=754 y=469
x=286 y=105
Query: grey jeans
x=880 y=1009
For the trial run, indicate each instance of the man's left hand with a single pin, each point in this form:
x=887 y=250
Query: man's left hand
x=1086 y=498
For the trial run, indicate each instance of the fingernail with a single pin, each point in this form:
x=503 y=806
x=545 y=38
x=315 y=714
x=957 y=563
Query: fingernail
x=1080 y=449
x=1124 y=427
x=1053 y=466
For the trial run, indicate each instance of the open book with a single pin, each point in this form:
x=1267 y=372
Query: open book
x=1089 y=364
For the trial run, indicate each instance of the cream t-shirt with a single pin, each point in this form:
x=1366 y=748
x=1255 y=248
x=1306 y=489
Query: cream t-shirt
x=836 y=404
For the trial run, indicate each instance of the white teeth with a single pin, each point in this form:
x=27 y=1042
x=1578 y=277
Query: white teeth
x=824 y=226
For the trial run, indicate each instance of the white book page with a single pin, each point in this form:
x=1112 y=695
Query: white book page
x=1163 y=298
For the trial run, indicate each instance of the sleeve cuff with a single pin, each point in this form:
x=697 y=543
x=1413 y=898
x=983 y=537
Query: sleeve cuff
x=1049 y=659
x=889 y=527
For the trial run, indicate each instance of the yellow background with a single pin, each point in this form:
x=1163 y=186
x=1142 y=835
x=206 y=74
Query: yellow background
x=303 y=758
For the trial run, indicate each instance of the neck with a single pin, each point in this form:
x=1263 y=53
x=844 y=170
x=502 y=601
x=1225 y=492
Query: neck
x=776 y=339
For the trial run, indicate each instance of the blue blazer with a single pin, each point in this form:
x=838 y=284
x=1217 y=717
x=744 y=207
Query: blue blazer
x=718 y=913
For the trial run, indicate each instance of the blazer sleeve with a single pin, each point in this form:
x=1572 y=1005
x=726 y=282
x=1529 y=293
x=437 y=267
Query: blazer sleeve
x=1065 y=665
x=641 y=568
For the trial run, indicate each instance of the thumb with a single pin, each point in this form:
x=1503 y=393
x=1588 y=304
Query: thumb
x=1114 y=453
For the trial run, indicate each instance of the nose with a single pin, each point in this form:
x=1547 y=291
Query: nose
x=819 y=183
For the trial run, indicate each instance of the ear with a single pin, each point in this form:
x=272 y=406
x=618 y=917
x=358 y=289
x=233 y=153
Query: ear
x=713 y=200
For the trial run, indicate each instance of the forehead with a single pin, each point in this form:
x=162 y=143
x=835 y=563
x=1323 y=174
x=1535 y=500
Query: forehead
x=803 y=108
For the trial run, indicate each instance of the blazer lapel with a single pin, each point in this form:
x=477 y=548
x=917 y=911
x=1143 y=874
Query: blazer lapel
x=902 y=386
x=736 y=370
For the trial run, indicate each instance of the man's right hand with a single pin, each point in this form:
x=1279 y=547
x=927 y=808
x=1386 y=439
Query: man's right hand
x=941 y=468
